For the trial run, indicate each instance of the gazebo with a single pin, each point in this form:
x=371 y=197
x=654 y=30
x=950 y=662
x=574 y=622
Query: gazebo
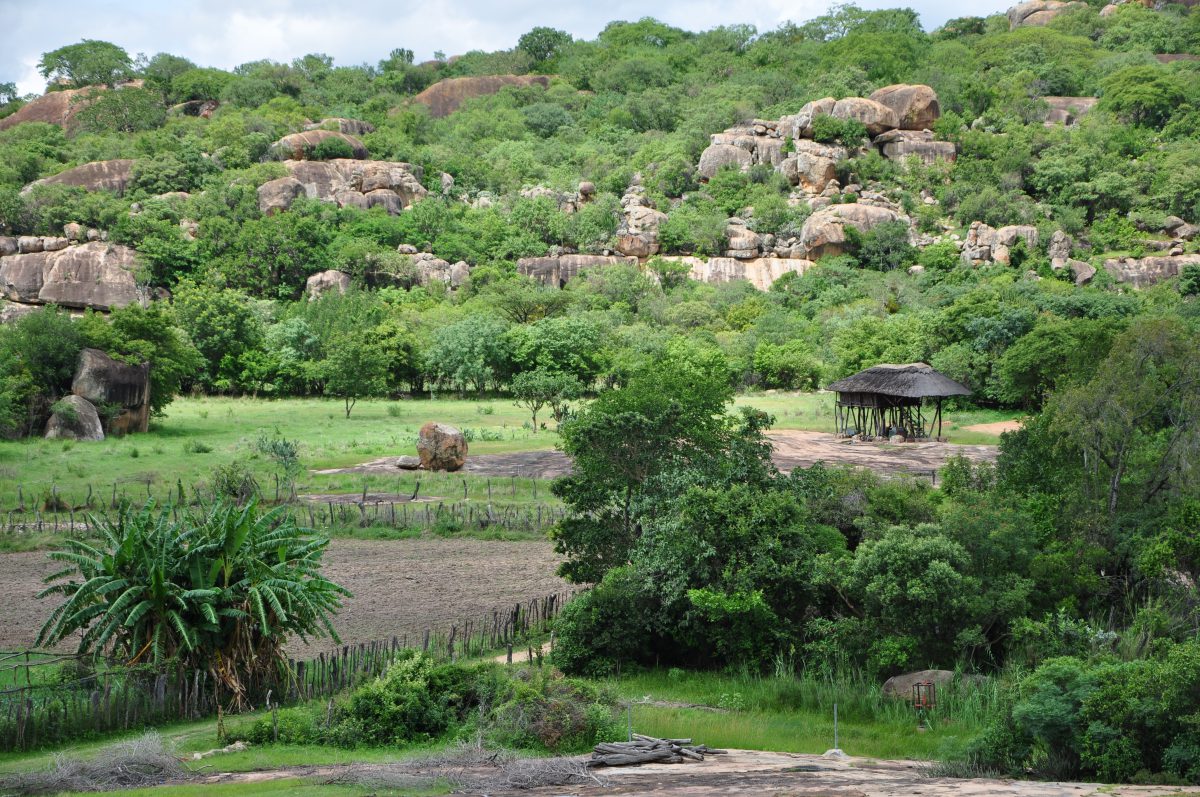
x=889 y=399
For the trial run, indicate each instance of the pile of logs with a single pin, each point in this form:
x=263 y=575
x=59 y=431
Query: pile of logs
x=648 y=750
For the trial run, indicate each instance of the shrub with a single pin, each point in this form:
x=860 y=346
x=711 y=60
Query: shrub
x=828 y=130
x=330 y=148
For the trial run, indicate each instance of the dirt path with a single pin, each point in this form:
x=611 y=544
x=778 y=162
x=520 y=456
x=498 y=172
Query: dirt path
x=400 y=586
x=793 y=449
x=742 y=772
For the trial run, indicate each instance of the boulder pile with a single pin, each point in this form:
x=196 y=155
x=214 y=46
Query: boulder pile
x=50 y=270
x=346 y=182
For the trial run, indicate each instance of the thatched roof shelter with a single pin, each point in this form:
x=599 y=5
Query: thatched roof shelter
x=886 y=401
x=911 y=380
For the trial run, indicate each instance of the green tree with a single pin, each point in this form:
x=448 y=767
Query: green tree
x=88 y=63
x=469 y=354
x=1142 y=95
x=541 y=387
x=543 y=44
x=355 y=368
x=223 y=325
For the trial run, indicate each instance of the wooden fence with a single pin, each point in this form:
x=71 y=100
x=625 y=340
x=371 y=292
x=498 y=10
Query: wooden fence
x=120 y=699
x=328 y=514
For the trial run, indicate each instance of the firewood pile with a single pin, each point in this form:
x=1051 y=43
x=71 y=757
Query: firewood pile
x=648 y=750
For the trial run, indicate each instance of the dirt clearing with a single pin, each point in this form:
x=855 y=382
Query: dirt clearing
x=997 y=428
x=792 y=449
x=400 y=587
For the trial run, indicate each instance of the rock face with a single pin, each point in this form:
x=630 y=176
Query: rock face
x=1067 y=110
x=441 y=447
x=446 y=96
x=298 y=146
x=104 y=381
x=351 y=127
x=325 y=281
x=876 y=117
x=556 y=272
x=985 y=245
x=824 y=232
x=1147 y=271
x=94 y=275
x=347 y=182
x=76 y=419
x=1037 y=13
x=55 y=108
x=899 y=144
x=916 y=106
x=759 y=272
x=111 y=175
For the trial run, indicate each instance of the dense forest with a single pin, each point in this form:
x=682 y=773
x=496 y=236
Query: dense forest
x=1041 y=254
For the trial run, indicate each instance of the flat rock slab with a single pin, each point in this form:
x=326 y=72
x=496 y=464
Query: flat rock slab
x=792 y=449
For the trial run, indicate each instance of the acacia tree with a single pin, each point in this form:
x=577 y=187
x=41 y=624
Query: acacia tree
x=354 y=368
x=220 y=592
x=90 y=62
x=536 y=389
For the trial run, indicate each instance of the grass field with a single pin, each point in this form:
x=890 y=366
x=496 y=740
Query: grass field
x=174 y=451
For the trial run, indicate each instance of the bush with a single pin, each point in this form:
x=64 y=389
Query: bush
x=330 y=148
x=828 y=130
x=420 y=700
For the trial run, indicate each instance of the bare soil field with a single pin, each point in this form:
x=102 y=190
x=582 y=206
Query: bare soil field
x=792 y=449
x=400 y=586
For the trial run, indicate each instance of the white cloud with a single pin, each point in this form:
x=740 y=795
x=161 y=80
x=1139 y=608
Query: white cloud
x=224 y=33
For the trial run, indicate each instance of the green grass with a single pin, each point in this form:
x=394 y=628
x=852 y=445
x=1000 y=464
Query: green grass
x=795 y=714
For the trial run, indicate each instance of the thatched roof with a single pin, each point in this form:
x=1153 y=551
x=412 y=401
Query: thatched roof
x=911 y=380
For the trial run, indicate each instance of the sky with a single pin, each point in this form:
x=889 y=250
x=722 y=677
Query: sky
x=225 y=33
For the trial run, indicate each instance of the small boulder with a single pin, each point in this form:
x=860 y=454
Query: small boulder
x=8 y=245
x=74 y=418
x=1059 y=249
x=441 y=447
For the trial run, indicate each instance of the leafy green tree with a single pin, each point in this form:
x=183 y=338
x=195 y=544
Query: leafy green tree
x=542 y=44
x=542 y=387
x=1142 y=95
x=223 y=325
x=90 y=62
x=221 y=592
x=885 y=247
x=790 y=366
x=126 y=110
x=469 y=354
x=355 y=368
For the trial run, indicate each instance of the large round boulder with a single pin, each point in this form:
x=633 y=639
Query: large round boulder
x=325 y=281
x=275 y=196
x=875 y=116
x=113 y=175
x=717 y=156
x=444 y=97
x=74 y=418
x=901 y=685
x=298 y=146
x=441 y=447
x=916 y=106
x=1037 y=13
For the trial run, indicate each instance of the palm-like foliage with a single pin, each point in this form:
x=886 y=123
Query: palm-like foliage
x=222 y=591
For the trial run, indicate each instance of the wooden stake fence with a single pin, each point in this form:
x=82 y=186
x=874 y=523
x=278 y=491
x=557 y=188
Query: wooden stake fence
x=122 y=699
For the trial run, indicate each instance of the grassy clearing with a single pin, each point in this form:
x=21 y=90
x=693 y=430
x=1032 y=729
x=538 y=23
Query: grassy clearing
x=230 y=426
x=795 y=714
